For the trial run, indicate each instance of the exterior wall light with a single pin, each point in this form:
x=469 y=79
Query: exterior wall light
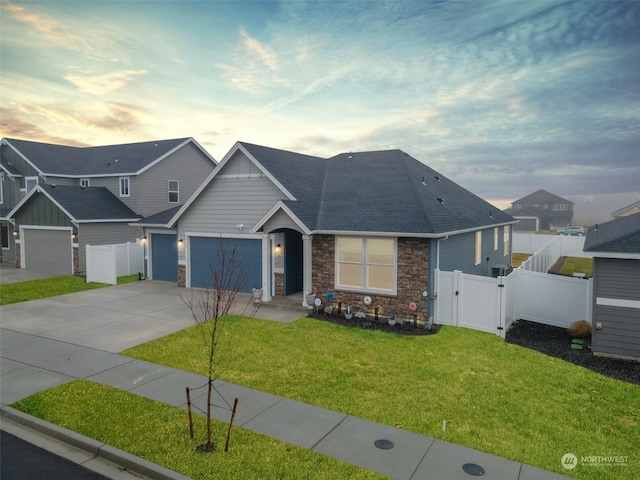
x=278 y=250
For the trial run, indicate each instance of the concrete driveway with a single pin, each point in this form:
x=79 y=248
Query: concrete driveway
x=10 y=274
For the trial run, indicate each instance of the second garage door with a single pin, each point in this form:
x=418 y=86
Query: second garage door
x=48 y=250
x=205 y=255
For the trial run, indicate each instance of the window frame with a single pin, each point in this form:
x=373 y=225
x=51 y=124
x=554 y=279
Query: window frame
x=122 y=191
x=177 y=191
x=506 y=233
x=85 y=182
x=2 y=189
x=4 y=235
x=26 y=183
x=495 y=238
x=478 y=248
x=365 y=267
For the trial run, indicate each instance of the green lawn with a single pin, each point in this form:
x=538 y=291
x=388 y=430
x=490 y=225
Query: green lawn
x=495 y=396
x=577 y=265
x=518 y=259
x=160 y=433
x=50 y=287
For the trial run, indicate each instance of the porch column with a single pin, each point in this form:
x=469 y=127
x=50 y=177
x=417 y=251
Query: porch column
x=306 y=268
x=266 y=267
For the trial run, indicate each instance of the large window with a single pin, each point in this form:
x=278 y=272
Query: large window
x=478 y=258
x=174 y=191
x=505 y=239
x=124 y=187
x=367 y=264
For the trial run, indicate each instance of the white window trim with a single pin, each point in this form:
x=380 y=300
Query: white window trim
x=173 y=191
x=120 y=179
x=505 y=238
x=495 y=238
x=2 y=191
x=85 y=182
x=26 y=183
x=478 y=253
x=363 y=289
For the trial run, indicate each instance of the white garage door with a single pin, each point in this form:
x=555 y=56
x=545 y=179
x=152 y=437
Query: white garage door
x=48 y=250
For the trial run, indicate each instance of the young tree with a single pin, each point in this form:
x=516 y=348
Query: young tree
x=210 y=305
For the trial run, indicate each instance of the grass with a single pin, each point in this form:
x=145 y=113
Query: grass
x=496 y=397
x=50 y=287
x=160 y=433
x=518 y=259
x=577 y=265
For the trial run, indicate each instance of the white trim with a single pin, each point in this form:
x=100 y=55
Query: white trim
x=629 y=256
x=217 y=170
x=169 y=191
x=120 y=189
x=406 y=234
x=363 y=289
x=39 y=188
x=26 y=181
x=281 y=206
x=247 y=236
x=6 y=142
x=617 y=302
x=87 y=180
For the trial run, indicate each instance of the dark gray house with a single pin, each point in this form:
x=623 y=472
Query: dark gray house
x=615 y=247
x=372 y=224
x=541 y=210
x=99 y=191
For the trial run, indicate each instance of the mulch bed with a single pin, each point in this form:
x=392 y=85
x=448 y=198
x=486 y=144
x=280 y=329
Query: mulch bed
x=556 y=342
x=407 y=328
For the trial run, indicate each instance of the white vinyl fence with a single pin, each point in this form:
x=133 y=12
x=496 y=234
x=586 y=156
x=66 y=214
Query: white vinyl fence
x=105 y=263
x=491 y=304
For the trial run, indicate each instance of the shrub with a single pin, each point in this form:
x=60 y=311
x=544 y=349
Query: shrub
x=580 y=329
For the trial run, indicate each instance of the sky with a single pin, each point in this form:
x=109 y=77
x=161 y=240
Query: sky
x=504 y=98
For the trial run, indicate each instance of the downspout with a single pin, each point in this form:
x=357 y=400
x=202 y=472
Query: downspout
x=431 y=297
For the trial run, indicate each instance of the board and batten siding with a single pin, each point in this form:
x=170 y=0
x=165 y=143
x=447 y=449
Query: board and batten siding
x=616 y=307
x=25 y=169
x=106 y=233
x=39 y=210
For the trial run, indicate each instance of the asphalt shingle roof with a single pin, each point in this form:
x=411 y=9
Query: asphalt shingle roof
x=160 y=218
x=384 y=191
x=90 y=203
x=88 y=161
x=621 y=235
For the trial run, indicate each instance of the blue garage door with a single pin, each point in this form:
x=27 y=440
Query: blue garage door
x=205 y=255
x=164 y=257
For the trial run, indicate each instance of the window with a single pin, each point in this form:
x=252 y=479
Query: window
x=366 y=264
x=84 y=182
x=4 y=233
x=1 y=191
x=30 y=183
x=495 y=238
x=560 y=207
x=478 y=247
x=174 y=191
x=124 y=186
x=505 y=240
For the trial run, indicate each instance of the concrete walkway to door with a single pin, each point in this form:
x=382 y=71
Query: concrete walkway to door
x=53 y=341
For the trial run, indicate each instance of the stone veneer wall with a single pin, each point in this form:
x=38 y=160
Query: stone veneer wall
x=17 y=259
x=182 y=275
x=278 y=283
x=412 y=279
x=76 y=261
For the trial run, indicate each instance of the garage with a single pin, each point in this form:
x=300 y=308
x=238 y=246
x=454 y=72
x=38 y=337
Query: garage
x=164 y=257
x=205 y=256
x=46 y=249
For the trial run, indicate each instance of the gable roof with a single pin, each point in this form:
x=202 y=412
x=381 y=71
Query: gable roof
x=82 y=205
x=160 y=219
x=540 y=197
x=110 y=160
x=385 y=192
x=628 y=210
x=621 y=235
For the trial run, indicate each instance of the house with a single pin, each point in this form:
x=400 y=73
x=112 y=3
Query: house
x=541 y=210
x=57 y=198
x=628 y=210
x=615 y=247
x=358 y=224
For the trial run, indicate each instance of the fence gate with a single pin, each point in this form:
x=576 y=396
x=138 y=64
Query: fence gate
x=470 y=301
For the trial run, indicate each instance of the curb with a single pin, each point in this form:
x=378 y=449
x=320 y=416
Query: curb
x=97 y=449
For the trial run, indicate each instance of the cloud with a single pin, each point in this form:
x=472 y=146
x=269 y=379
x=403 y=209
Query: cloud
x=104 y=83
x=13 y=127
x=264 y=53
x=120 y=118
x=50 y=28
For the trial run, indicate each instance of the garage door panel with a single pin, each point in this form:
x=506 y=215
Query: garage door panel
x=164 y=257
x=48 y=250
x=205 y=255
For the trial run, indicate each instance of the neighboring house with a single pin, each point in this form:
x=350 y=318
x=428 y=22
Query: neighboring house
x=541 y=210
x=615 y=247
x=628 y=210
x=358 y=224
x=143 y=178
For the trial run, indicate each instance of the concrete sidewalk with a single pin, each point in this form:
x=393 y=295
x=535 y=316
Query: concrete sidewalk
x=53 y=341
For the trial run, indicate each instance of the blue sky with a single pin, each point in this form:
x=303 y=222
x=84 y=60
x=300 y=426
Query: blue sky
x=502 y=97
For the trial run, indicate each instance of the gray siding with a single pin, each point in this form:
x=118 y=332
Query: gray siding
x=39 y=210
x=10 y=188
x=103 y=234
x=150 y=190
x=62 y=181
x=23 y=167
x=280 y=220
x=458 y=252
x=616 y=279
